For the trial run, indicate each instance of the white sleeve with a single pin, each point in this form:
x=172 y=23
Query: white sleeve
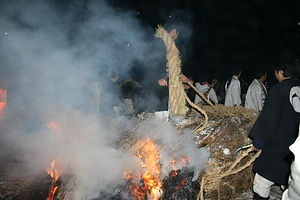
x=213 y=96
x=236 y=93
x=256 y=96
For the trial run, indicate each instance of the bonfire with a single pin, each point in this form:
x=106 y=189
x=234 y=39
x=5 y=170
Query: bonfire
x=216 y=132
x=217 y=128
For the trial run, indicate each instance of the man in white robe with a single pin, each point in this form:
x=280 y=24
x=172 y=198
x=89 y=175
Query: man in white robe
x=233 y=89
x=256 y=92
x=208 y=91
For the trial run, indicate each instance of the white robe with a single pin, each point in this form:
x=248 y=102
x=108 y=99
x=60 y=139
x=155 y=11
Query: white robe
x=293 y=191
x=233 y=92
x=255 y=96
x=211 y=94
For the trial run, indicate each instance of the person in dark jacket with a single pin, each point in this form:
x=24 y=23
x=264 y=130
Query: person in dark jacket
x=110 y=96
x=274 y=131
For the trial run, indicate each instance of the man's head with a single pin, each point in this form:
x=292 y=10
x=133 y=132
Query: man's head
x=284 y=71
x=186 y=85
x=261 y=74
x=203 y=79
x=236 y=71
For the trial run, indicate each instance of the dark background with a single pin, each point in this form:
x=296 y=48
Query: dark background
x=226 y=33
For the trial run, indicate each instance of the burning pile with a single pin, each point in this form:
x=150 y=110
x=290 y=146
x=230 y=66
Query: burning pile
x=157 y=178
x=163 y=169
x=159 y=171
x=148 y=184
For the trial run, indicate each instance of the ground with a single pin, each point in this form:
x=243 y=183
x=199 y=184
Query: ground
x=17 y=185
x=226 y=130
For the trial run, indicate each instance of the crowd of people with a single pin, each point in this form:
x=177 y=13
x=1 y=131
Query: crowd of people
x=129 y=95
x=275 y=129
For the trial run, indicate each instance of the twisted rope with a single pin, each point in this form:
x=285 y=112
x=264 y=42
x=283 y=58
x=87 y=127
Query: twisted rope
x=210 y=180
x=201 y=95
x=176 y=90
x=198 y=129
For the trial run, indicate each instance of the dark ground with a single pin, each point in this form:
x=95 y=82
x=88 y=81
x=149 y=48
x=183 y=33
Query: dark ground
x=16 y=184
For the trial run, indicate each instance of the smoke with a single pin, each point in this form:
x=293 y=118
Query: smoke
x=174 y=146
x=48 y=51
x=182 y=21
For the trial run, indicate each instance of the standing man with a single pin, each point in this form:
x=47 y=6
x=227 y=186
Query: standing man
x=233 y=89
x=207 y=90
x=257 y=91
x=162 y=82
x=275 y=129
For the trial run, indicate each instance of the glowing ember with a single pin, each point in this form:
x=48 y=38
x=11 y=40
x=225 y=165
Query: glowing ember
x=183 y=162
x=3 y=103
x=148 y=183
x=55 y=173
x=54 y=126
x=52 y=192
x=174 y=171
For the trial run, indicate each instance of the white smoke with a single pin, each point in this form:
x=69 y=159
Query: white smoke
x=174 y=146
x=48 y=49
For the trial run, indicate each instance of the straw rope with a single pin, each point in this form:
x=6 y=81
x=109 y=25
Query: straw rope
x=198 y=129
x=177 y=95
x=201 y=95
x=176 y=90
x=212 y=179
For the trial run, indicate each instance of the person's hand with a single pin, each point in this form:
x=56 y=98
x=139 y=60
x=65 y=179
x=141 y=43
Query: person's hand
x=174 y=34
x=162 y=82
x=184 y=79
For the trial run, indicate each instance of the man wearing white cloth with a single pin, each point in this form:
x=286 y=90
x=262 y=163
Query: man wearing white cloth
x=256 y=92
x=208 y=91
x=233 y=89
x=293 y=191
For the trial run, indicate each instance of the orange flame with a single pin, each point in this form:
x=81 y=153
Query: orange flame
x=174 y=171
x=152 y=185
x=55 y=172
x=3 y=103
x=52 y=192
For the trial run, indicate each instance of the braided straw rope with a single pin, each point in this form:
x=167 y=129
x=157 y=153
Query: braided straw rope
x=198 y=129
x=176 y=90
x=211 y=180
x=177 y=94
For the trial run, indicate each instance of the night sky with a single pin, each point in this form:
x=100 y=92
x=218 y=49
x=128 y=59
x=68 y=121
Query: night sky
x=227 y=33
x=223 y=33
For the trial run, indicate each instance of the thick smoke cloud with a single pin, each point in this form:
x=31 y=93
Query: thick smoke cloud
x=48 y=50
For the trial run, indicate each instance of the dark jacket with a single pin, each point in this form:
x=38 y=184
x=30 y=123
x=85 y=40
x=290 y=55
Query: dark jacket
x=275 y=130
